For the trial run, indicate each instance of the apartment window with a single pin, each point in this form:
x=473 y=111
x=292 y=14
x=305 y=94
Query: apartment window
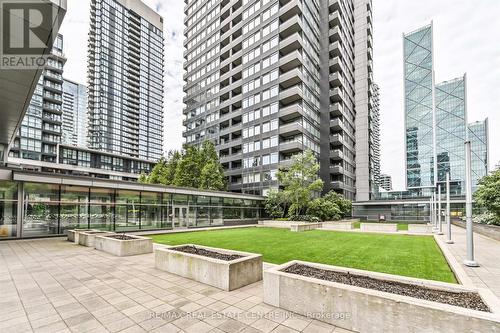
x=270 y=27
x=273 y=42
x=270 y=60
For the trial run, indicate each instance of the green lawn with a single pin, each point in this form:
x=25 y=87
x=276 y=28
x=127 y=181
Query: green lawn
x=414 y=256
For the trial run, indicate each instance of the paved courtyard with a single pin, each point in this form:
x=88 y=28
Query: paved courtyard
x=51 y=285
x=486 y=253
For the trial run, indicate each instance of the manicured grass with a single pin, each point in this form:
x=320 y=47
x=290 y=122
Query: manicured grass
x=401 y=226
x=414 y=256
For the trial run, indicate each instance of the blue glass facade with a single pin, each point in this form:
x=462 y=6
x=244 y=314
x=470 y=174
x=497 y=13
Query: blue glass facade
x=419 y=116
x=451 y=132
x=478 y=136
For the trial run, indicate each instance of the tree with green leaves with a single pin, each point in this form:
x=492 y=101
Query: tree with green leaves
x=301 y=182
x=188 y=170
x=344 y=205
x=488 y=193
x=325 y=210
x=276 y=204
x=192 y=167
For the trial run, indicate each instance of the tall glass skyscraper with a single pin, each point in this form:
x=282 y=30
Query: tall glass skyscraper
x=125 y=65
x=74 y=124
x=436 y=122
x=478 y=136
x=451 y=132
x=419 y=108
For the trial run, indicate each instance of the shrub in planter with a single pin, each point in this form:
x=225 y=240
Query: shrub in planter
x=324 y=210
x=304 y=218
x=487 y=218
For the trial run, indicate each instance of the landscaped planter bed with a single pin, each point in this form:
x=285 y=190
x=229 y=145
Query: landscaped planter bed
x=124 y=245
x=73 y=235
x=365 y=301
x=87 y=238
x=223 y=269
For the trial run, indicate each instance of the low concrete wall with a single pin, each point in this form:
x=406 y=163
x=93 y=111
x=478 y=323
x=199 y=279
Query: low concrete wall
x=419 y=229
x=379 y=227
x=491 y=231
x=87 y=238
x=279 y=224
x=305 y=227
x=366 y=310
x=340 y=225
x=73 y=234
x=122 y=248
x=222 y=274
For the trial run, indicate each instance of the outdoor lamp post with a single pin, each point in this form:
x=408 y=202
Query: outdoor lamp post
x=469 y=261
x=448 y=208
x=440 y=232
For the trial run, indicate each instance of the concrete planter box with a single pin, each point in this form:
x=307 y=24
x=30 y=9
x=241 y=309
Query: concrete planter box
x=73 y=235
x=365 y=310
x=305 y=227
x=341 y=225
x=279 y=224
x=222 y=274
x=122 y=248
x=379 y=227
x=87 y=238
x=419 y=229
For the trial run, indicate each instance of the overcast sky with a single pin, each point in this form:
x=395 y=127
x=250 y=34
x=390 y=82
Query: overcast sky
x=465 y=41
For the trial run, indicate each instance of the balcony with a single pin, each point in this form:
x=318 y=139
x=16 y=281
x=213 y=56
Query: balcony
x=337 y=124
x=337 y=95
x=291 y=95
x=290 y=61
x=291 y=129
x=337 y=140
x=291 y=78
x=292 y=8
x=290 y=146
x=290 y=112
x=337 y=155
x=336 y=110
x=336 y=169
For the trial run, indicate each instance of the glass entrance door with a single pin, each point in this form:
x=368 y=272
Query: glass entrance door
x=181 y=217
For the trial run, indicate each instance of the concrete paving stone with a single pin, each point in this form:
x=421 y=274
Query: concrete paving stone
x=265 y=325
x=199 y=327
x=141 y=316
x=168 y=328
x=190 y=307
x=119 y=325
x=110 y=317
x=20 y=328
x=296 y=323
x=185 y=321
x=45 y=321
x=250 y=329
x=284 y=329
x=134 y=329
x=51 y=328
x=152 y=323
x=5 y=324
x=231 y=325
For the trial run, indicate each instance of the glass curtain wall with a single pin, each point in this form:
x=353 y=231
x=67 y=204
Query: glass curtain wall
x=51 y=209
x=8 y=209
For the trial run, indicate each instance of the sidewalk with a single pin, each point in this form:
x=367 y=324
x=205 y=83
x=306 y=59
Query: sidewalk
x=486 y=253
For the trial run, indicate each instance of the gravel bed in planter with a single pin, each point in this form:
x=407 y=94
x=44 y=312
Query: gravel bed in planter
x=122 y=237
x=207 y=253
x=467 y=300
